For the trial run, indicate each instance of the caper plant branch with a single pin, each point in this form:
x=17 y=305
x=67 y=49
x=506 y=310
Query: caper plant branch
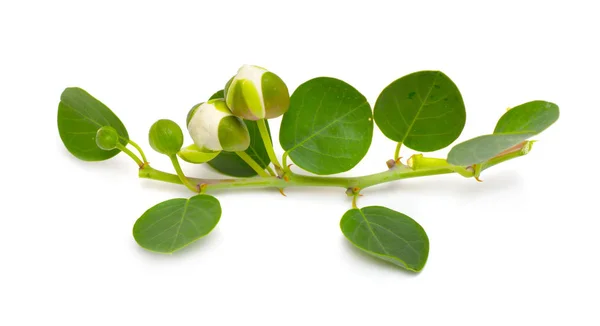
x=139 y=149
x=252 y=163
x=186 y=182
x=418 y=166
x=397 y=152
x=264 y=134
x=134 y=157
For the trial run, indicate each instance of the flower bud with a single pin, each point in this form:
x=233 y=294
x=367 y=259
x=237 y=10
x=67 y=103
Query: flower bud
x=107 y=138
x=166 y=137
x=214 y=128
x=255 y=93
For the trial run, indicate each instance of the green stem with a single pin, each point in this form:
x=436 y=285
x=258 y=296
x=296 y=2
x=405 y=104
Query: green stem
x=139 y=149
x=260 y=171
x=264 y=134
x=398 y=172
x=397 y=152
x=184 y=180
x=130 y=154
x=271 y=172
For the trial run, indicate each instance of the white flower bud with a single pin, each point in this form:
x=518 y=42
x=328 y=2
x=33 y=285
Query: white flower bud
x=255 y=93
x=213 y=127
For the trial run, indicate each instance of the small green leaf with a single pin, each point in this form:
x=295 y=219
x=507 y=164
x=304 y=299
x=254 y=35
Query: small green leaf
x=388 y=235
x=515 y=126
x=423 y=110
x=230 y=163
x=175 y=223
x=218 y=94
x=80 y=115
x=192 y=154
x=328 y=127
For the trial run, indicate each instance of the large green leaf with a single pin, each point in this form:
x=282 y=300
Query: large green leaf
x=230 y=163
x=515 y=126
x=80 y=115
x=388 y=235
x=423 y=110
x=328 y=127
x=175 y=223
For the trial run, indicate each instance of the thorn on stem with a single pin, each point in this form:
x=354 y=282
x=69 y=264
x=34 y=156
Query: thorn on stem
x=282 y=193
x=202 y=187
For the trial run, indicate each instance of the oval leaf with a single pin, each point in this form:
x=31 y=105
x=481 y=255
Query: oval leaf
x=80 y=115
x=388 y=235
x=515 y=126
x=175 y=223
x=328 y=127
x=423 y=110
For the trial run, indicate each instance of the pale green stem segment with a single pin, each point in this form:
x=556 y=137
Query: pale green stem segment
x=182 y=178
x=295 y=180
x=397 y=152
x=261 y=172
x=264 y=134
x=354 y=201
x=271 y=172
x=130 y=154
x=139 y=149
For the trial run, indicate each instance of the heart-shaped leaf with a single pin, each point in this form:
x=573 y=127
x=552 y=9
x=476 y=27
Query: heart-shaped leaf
x=175 y=223
x=388 y=235
x=515 y=126
x=328 y=127
x=80 y=115
x=423 y=110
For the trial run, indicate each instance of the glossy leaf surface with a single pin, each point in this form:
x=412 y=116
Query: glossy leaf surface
x=175 y=223
x=388 y=235
x=515 y=126
x=328 y=127
x=423 y=110
x=80 y=115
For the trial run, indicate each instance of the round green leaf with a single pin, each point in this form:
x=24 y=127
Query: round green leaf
x=328 y=127
x=80 y=115
x=515 y=126
x=175 y=223
x=423 y=110
x=231 y=164
x=388 y=235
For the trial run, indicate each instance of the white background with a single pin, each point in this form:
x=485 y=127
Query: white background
x=521 y=248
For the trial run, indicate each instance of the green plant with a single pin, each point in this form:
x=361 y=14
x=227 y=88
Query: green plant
x=326 y=129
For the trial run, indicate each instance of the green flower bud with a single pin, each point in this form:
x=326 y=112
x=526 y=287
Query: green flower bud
x=214 y=128
x=166 y=137
x=193 y=154
x=107 y=138
x=256 y=93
